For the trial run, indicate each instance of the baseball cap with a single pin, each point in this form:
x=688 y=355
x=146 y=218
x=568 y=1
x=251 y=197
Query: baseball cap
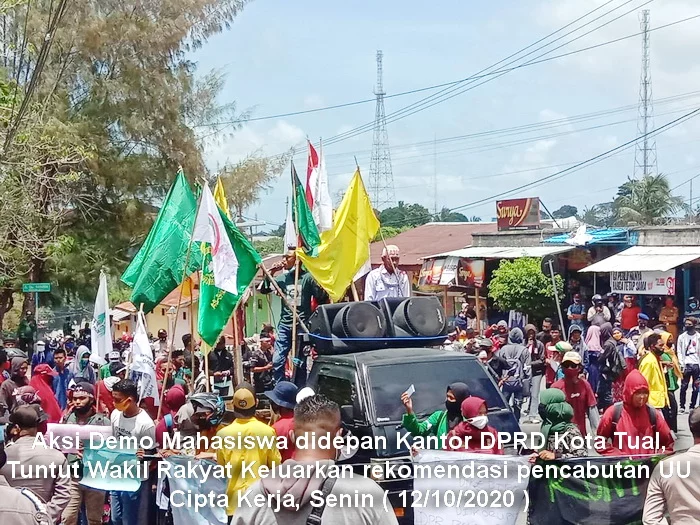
x=24 y=417
x=643 y=316
x=114 y=356
x=563 y=347
x=115 y=368
x=305 y=392
x=244 y=401
x=284 y=394
x=391 y=251
x=486 y=343
x=84 y=388
x=572 y=357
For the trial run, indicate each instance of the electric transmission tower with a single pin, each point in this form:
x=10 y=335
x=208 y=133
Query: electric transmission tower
x=381 y=177
x=645 y=162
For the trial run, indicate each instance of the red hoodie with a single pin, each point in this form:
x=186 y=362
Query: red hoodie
x=470 y=409
x=42 y=381
x=634 y=424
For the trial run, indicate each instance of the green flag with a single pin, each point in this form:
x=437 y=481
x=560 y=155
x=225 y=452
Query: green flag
x=216 y=305
x=158 y=266
x=303 y=217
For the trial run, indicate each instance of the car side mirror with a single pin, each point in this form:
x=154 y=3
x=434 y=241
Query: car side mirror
x=347 y=414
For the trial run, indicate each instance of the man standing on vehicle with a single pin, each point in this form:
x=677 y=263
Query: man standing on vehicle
x=316 y=419
x=387 y=280
x=518 y=373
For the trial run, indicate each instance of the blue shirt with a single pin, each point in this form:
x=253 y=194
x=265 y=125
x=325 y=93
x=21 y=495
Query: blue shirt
x=60 y=386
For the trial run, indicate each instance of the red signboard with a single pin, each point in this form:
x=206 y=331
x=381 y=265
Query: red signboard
x=518 y=214
x=471 y=273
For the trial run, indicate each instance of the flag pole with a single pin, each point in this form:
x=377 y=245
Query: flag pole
x=206 y=364
x=192 y=378
x=282 y=296
x=237 y=363
x=131 y=352
x=177 y=312
x=295 y=316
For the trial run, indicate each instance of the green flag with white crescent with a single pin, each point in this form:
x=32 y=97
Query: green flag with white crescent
x=216 y=305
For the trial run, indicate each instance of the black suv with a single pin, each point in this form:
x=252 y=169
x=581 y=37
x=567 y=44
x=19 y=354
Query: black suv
x=368 y=387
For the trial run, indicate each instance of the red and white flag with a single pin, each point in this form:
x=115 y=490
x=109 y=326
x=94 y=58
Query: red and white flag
x=317 y=194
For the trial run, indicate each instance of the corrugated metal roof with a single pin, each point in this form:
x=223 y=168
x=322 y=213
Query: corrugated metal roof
x=646 y=259
x=606 y=235
x=502 y=252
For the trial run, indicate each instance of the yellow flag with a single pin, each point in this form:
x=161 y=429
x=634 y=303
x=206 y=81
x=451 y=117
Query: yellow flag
x=345 y=247
x=220 y=197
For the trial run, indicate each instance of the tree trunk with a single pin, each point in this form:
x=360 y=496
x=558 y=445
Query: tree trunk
x=35 y=275
x=7 y=301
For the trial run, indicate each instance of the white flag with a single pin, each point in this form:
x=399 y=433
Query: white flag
x=323 y=205
x=210 y=228
x=364 y=270
x=290 y=236
x=100 y=329
x=142 y=362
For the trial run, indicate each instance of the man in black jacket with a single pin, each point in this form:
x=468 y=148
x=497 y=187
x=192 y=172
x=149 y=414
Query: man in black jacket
x=537 y=367
x=221 y=366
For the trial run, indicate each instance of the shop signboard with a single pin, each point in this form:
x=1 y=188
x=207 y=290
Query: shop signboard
x=449 y=271
x=471 y=273
x=648 y=283
x=518 y=214
x=426 y=272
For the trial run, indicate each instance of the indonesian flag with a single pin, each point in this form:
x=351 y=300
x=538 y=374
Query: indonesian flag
x=209 y=227
x=317 y=195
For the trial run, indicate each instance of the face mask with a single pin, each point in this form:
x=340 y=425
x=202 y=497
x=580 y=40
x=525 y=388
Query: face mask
x=690 y=329
x=571 y=373
x=479 y=421
x=452 y=406
x=121 y=406
x=83 y=363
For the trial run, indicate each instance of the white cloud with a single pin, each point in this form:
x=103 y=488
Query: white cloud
x=314 y=101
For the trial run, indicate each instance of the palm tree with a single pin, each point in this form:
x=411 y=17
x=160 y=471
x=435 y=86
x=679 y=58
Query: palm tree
x=648 y=201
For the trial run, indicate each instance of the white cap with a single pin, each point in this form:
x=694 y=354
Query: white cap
x=391 y=251
x=305 y=392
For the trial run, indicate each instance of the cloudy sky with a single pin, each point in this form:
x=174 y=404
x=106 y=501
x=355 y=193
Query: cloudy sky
x=281 y=56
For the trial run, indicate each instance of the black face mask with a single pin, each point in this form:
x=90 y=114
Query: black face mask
x=690 y=329
x=542 y=411
x=453 y=407
x=81 y=411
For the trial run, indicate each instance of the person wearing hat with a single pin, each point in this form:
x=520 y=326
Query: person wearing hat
x=260 y=360
x=387 y=280
x=305 y=294
x=598 y=313
x=579 y=393
x=26 y=333
x=42 y=354
x=113 y=357
x=84 y=413
x=495 y=364
x=18 y=378
x=283 y=400
x=52 y=489
x=641 y=330
x=246 y=424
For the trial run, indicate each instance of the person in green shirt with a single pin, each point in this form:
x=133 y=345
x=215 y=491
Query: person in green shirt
x=306 y=291
x=440 y=422
x=672 y=371
x=26 y=334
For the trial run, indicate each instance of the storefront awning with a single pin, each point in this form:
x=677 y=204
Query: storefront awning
x=119 y=315
x=646 y=259
x=513 y=252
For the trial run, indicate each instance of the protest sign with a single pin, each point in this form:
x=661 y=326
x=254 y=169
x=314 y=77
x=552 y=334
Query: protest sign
x=496 y=498
x=208 y=490
x=579 y=500
x=105 y=469
x=648 y=283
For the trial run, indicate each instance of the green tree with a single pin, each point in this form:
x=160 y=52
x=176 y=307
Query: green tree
x=270 y=246
x=446 y=215
x=647 y=201
x=110 y=109
x=565 y=211
x=520 y=285
x=387 y=232
x=405 y=215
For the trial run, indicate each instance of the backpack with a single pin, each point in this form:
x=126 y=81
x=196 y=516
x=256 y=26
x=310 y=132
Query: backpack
x=514 y=376
x=316 y=514
x=617 y=413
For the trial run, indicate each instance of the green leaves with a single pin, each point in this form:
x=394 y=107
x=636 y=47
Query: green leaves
x=520 y=285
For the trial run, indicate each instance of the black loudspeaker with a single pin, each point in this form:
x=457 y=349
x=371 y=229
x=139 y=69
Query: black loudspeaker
x=422 y=318
x=347 y=327
x=389 y=323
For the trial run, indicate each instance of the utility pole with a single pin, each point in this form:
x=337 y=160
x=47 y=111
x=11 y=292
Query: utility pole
x=645 y=162
x=381 y=177
x=435 y=178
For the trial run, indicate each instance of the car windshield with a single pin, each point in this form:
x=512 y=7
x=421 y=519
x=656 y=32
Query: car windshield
x=430 y=380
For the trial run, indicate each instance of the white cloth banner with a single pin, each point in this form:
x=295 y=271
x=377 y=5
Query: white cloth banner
x=290 y=236
x=142 y=362
x=100 y=330
x=648 y=283
x=491 y=493
x=209 y=227
x=323 y=205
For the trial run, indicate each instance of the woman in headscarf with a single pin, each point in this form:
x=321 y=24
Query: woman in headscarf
x=174 y=400
x=627 y=351
x=42 y=381
x=593 y=343
x=635 y=432
x=672 y=371
x=558 y=429
x=80 y=366
x=611 y=366
x=440 y=422
x=470 y=433
x=18 y=378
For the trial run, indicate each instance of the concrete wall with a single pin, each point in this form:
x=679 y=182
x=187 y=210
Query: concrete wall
x=517 y=238
x=668 y=235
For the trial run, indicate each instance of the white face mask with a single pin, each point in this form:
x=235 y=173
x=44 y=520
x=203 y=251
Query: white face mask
x=479 y=421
